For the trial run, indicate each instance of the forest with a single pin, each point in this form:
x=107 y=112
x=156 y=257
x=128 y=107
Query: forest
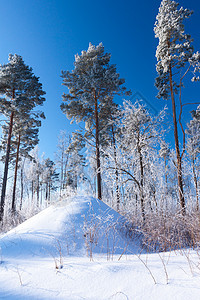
x=120 y=152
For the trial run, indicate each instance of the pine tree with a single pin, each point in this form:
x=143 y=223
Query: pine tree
x=24 y=139
x=22 y=93
x=27 y=139
x=176 y=58
x=50 y=177
x=90 y=83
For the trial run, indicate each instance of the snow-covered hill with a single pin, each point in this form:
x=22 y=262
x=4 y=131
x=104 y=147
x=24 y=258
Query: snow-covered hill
x=79 y=226
x=77 y=250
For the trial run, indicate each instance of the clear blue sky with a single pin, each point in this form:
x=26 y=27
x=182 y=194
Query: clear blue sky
x=48 y=33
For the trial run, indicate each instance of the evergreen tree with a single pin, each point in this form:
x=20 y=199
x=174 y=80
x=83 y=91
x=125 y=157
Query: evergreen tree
x=27 y=133
x=176 y=58
x=25 y=138
x=22 y=93
x=50 y=177
x=90 y=84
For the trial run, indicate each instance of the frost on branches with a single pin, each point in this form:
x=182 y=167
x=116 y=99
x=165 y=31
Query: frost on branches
x=176 y=57
x=92 y=85
x=175 y=48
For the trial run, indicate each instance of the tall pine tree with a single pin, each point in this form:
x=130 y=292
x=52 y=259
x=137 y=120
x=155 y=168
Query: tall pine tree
x=92 y=85
x=22 y=92
x=176 y=57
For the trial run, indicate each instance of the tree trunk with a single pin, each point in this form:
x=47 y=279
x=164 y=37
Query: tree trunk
x=46 y=195
x=3 y=191
x=196 y=185
x=41 y=196
x=22 y=188
x=38 y=189
x=15 y=176
x=61 y=173
x=49 y=196
x=178 y=157
x=32 y=189
x=97 y=148
x=116 y=170
x=142 y=185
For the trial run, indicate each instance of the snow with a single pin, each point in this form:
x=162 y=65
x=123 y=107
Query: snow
x=59 y=235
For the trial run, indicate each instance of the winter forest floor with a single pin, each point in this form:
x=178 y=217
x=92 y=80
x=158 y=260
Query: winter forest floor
x=77 y=250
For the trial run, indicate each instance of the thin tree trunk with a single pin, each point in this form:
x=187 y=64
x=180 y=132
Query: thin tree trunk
x=196 y=186
x=49 y=196
x=38 y=189
x=142 y=186
x=76 y=181
x=46 y=198
x=178 y=157
x=22 y=188
x=41 y=195
x=136 y=203
x=165 y=162
x=61 y=173
x=15 y=176
x=116 y=170
x=3 y=191
x=32 y=188
x=97 y=148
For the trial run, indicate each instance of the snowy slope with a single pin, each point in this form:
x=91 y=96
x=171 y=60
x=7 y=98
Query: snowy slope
x=82 y=238
x=78 y=226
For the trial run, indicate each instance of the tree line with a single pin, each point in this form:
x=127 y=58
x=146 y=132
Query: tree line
x=21 y=97
x=125 y=146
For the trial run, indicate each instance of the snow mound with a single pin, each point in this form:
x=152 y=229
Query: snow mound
x=77 y=226
x=49 y=257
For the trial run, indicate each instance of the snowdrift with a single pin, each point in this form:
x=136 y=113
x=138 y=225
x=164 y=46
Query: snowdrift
x=77 y=226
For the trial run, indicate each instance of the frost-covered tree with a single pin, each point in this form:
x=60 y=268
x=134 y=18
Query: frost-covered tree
x=40 y=178
x=62 y=157
x=193 y=149
x=76 y=161
x=21 y=92
x=92 y=85
x=33 y=175
x=176 y=57
x=164 y=153
x=136 y=150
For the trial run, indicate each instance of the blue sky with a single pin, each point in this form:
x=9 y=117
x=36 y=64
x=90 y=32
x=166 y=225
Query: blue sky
x=48 y=33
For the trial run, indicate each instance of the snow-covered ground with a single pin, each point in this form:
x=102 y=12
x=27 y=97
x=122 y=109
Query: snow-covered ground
x=76 y=250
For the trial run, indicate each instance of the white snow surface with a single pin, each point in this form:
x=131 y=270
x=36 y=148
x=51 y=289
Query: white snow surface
x=94 y=259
